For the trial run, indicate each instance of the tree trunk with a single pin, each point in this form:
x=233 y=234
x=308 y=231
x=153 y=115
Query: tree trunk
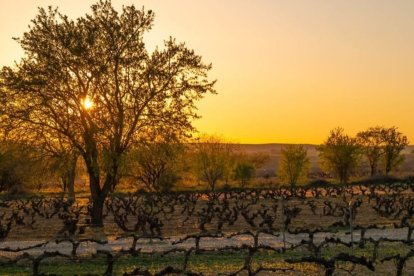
x=329 y=270
x=99 y=194
x=98 y=198
x=387 y=169
x=97 y=210
x=373 y=169
x=213 y=185
x=388 y=165
x=64 y=185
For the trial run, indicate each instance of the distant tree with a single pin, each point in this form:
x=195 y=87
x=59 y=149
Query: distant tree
x=258 y=159
x=294 y=164
x=340 y=154
x=155 y=165
x=372 y=142
x=61 y=155
x=54 y=150
x=244 y=172
x=213 y=159
x=21 y=167
x=93 y=81
x=394 y=143
x=64 y=163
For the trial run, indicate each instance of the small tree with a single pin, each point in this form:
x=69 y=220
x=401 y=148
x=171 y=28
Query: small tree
x=340 y=154
x=394 y=143
x=155 y=165
x=64 y=163
x=372 y=143
x=50 y=147
x=244 y=172
x=20 y=167
x=212 y=159
x=294 y=164
x=258 y=159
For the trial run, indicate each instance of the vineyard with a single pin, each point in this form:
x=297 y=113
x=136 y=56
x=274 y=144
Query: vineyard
x=356 y=229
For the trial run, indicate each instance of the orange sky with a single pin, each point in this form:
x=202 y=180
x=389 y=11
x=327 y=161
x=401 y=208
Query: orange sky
x=287 y=71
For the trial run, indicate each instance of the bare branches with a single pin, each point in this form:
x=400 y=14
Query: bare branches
x=102 y=57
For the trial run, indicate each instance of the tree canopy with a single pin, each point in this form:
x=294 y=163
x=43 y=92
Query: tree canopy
x=382 y=144
x=92 y=81
x=294 y=164
x=340 y=154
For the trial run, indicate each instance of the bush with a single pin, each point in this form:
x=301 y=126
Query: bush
x=409 y=179
x=378 y=180
x=166 y=181
x=10 y=168
x=19 y=168
x=244 y=173
x=319 y=183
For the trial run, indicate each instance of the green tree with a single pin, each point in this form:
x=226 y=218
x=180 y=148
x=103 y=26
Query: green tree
x=257 y=159
x=340 y=154
x=53 y=151
x=394 y=143
x=244 y=172
x=213 y=159
x=92 y=81
x=372 y=142
x=294 y=164
x=21 y=167
x=64 y=163
x=156 y=165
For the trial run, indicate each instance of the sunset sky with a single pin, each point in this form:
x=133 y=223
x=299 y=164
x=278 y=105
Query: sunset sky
x=287 y=71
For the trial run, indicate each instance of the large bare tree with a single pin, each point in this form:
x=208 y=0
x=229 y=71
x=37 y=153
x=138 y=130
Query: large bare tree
x=93 y=81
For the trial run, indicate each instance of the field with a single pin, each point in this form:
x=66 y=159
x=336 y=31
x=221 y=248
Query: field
x=362 y=229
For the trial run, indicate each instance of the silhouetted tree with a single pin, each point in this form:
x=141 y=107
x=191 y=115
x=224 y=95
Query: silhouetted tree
x=340 y=154
x=92 y=81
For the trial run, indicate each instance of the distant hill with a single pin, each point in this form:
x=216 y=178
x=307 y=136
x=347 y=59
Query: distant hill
x=274 y=151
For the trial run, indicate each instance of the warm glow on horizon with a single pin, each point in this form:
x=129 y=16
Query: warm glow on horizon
x=287 y=71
